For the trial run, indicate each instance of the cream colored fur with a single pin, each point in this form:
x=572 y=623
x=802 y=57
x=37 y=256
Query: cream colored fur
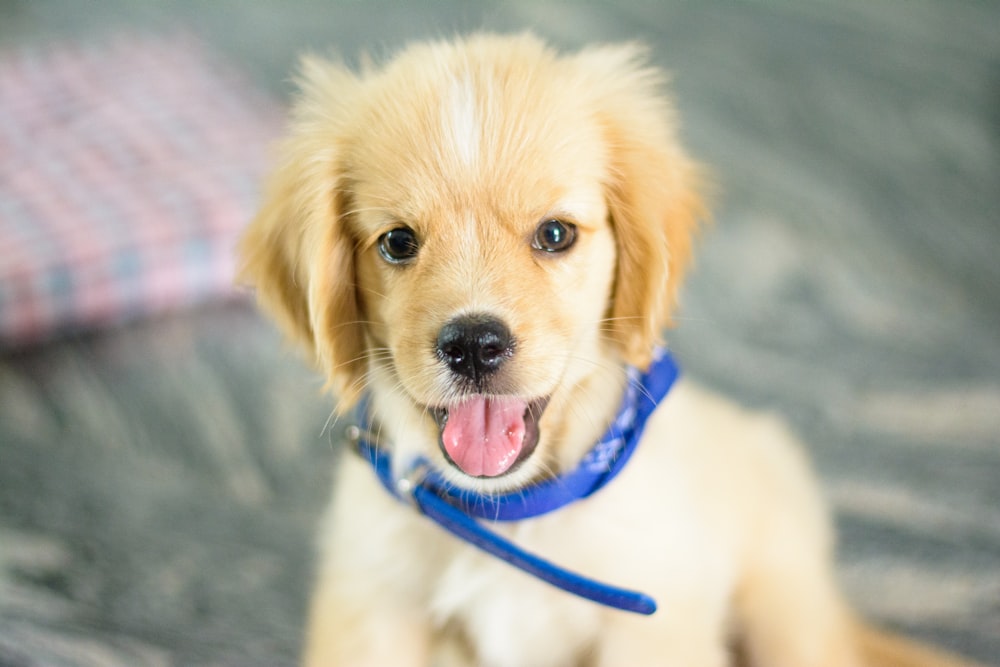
x=471 y=144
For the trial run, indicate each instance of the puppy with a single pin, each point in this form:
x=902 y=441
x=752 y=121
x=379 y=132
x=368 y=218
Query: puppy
x=480 y=243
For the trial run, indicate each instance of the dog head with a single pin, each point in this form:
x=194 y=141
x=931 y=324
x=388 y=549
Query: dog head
x=480 y=233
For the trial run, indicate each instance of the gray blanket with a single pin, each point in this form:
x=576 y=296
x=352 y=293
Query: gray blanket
x=159 y=483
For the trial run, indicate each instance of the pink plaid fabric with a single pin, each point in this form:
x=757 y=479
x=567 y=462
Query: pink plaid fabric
x=126 y=173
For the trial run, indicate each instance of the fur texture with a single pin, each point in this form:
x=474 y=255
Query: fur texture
x=473 y=145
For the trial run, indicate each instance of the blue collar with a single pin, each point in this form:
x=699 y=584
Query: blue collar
x=456 y=509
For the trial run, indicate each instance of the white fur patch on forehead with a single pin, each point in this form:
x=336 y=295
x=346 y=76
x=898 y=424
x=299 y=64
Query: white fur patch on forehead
x=461 y=121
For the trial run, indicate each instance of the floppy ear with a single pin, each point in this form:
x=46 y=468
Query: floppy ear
x=298 y=252
x=653 y=193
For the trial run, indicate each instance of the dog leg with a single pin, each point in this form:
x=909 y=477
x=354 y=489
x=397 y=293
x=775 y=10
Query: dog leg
x=794 y=617
x=679 y=637
x=382 y=634
x=365 y=609
x=787 y=610
x=883 y=649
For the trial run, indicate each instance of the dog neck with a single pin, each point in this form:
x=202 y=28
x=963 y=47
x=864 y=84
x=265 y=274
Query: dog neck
x=456 y=510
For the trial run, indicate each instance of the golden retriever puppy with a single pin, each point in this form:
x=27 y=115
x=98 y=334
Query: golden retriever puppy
x=479 y=244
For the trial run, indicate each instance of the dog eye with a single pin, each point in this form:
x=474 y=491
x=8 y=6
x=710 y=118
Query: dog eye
x=398 y=246
x=554 y=236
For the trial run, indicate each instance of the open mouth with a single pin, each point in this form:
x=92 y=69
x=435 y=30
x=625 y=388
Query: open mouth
x=488 y=436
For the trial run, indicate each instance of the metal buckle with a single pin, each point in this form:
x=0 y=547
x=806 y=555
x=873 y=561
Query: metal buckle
x=414 y=477
x=353 y=435
x=403 y=487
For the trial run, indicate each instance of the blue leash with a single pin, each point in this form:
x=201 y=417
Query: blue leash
x=456 y=510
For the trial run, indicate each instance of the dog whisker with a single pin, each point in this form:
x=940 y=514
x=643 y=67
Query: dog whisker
x=372 y=354
x=329 y=424
x=349 y=323
x=623 y=318
x=370 y=290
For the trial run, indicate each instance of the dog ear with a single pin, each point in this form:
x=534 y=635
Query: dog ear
x=297 y=252
x=654 y=197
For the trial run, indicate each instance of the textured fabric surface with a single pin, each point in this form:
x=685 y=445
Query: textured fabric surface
x=126 y=169
x=160 y=484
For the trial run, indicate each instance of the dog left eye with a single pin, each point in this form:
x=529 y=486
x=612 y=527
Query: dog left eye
x=398 y=246
x=554 y=236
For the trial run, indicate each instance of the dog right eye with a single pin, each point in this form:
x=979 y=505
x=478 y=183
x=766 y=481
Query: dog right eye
x=398 y=246
x=554 y=236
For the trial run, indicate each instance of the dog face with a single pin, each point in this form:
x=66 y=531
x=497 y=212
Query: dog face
x=482 y=302
x=474 y=232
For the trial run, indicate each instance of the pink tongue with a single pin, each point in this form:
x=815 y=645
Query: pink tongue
x=484 y=435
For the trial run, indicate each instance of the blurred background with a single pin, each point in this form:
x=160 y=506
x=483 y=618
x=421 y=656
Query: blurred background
x=164 y=458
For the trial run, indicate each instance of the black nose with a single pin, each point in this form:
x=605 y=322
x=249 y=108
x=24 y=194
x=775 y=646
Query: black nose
x=474 y=345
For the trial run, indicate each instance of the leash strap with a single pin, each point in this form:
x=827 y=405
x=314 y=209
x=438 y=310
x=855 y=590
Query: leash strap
x=412 y=488
x=456 y=510
x=465 y=528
